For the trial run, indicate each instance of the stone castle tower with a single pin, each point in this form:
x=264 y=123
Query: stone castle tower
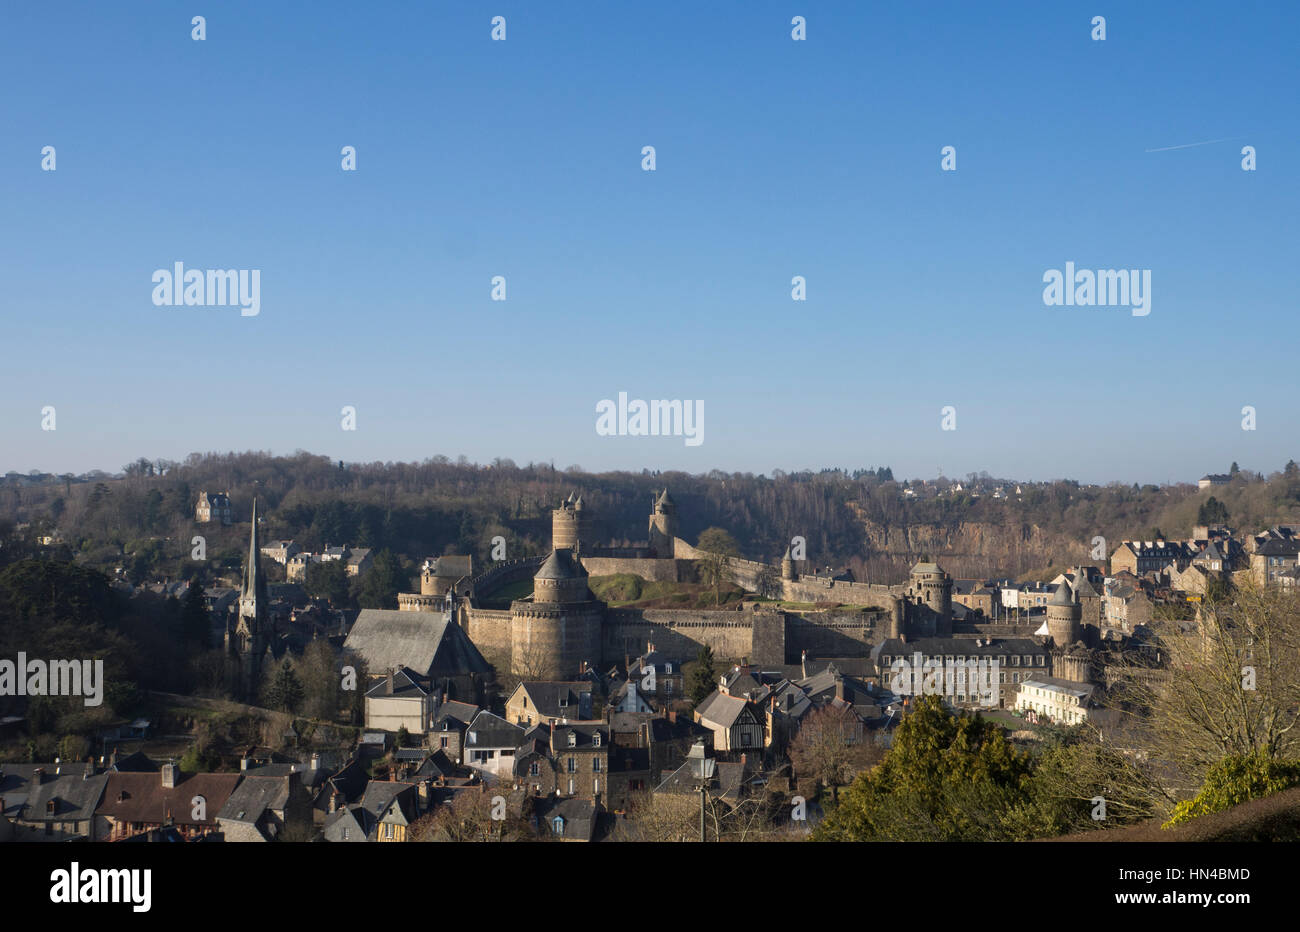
x=1063 y=618
x=663 y=526
x=787 y=566
x=930 y=592
x=558 y=629
x=569 y=525
x=248 y=639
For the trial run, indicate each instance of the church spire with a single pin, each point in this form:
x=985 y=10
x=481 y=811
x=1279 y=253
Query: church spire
x=254 y=582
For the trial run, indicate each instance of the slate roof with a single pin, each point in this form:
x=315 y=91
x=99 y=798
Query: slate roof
x=492 y=731
x=383 y=795
x=580 y=816
x=429 y=643
x=721 y=709
x=545 y=697
x=1063 y=595
x=586 y=736
x=359 y=822
x=458 y=714
x=1278 y=548
x=450 y=566
x=561 y=565
x=74 y=796
x=253 y=797
x=1056 y=684
x=406 y=684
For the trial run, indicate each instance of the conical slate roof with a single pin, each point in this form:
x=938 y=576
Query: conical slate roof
x=1063 y=595
x=665 y=499
x=561 y=565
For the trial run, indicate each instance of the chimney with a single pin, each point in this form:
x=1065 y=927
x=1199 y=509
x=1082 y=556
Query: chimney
x=335 y=799
x=390 y=681
x=315 y=762
x=243 y=763
x=803 y=664
x=169 y=776
x=839 y=689
x=38 y=776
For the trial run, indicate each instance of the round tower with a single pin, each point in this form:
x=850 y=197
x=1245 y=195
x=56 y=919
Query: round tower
x=787 y=566
x=1063 y=614
x=431 y=583
x=568 y=523
x=896 y=617
x=559 y=628
x=933 y=588
x=663 y=525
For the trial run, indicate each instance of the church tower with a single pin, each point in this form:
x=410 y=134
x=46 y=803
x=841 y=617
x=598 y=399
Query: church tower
x=248 y=639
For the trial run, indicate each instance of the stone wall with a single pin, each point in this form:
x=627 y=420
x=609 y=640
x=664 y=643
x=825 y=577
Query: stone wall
x=847 y=593
x=504 y=573
x=677 y=633
x=488 y=629
x=832 y=634
x=650 y=569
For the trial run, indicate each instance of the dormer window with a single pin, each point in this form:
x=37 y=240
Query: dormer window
x=473 y=737
x=558 y=825
x=573 y=739
x=595 y=739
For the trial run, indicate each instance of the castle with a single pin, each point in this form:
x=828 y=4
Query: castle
x=561 y=628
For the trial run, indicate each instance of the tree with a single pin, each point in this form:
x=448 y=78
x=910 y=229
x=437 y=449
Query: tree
x=703 y=677
x=718 y=548
x=946 y=778
x=1235 y=780
x=195 y=626
x=318 y=670
x=327 y=580
x=830 y=749
x=384 y=580
x=1228 y=688
x=1234 y=469
x=1212 y=512
x=284 y=692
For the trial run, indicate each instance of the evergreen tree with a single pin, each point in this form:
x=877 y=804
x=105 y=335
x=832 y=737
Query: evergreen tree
x=285 y=692
x=703 y=676
x=195 y=628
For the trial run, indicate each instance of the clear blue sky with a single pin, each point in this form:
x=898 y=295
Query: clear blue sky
x=775 y=158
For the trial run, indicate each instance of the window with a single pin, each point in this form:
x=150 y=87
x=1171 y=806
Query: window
x=595 y=739
x=473 y=737
x=557 y=824
x=570 y=786
x=595 y=764
x=595 y=785
x=573 y=766
x=668 y=687
x=442 y=742
x=534 y=769
x=573 y=739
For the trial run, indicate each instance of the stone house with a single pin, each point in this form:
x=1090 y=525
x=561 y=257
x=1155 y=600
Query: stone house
x=140 y=802
x=213 y=506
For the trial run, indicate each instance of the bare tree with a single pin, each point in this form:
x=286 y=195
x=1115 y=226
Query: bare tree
x=830 y=749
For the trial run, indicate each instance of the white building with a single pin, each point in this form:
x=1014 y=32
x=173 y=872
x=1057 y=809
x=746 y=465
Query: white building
x=1053 y=699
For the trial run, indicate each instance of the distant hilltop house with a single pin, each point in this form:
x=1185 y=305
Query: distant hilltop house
x=213 y=506
x=1212 y=479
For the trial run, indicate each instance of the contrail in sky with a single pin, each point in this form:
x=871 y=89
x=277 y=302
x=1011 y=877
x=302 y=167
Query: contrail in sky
x=1191 y=144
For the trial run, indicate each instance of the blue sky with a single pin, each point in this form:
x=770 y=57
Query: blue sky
x=775 y=158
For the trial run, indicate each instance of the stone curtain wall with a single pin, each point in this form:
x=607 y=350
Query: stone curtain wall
x=649 y=569
x=504 y=573
x=489 y=630
x=677 y=633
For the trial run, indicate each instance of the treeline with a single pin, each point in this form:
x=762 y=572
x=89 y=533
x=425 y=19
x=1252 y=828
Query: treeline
x=438 y=506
